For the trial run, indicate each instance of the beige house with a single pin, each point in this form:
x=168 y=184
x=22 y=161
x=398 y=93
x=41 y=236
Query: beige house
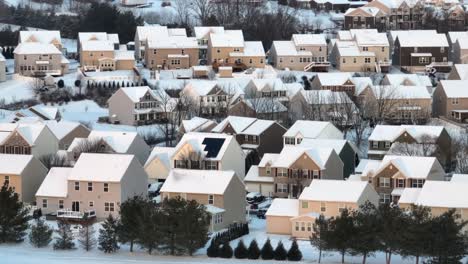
x=2 y=68
x=451 y=100
x=208 y=98
x=286 y=174
x=296 y=217
x=67 y=131
x=135 y=106
x=222 y=193
x=228 y=48
x=95 y=186
x=159 y=164
x=304 y=52
x=311 y=129
x=27 y=138
x=23 y=173
x=202 y=34
x=115 y=142
x=100 y=55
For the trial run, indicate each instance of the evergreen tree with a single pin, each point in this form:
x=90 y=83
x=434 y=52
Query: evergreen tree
x=253 y=250
x=294 y=253
x=241 y=251
x=13 y=216
x=65 y=237
x=280 y=252
x=60 y=84
x=86 y=236
x=195 y=222
x=365 y=240
x=417 y=235
x=341 y=233
x=225 y=251
x=212 y=250
x=41 y=234
x=319 y=236
x=108 y=235
x=267 y=251
x=131 y=212
x=149 y=227
x=392 y=227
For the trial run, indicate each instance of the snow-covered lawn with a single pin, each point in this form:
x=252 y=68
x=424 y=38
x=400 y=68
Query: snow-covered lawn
x=16 y=89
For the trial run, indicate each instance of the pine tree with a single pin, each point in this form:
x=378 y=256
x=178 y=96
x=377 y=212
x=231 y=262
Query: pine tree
x=225 y=251
x=41 y=234
x=86 y=237
x=13 y=216
x=65 y=237
x=392 y=227
x=108 y=235
x=341 y=234
x=241 y=251
x=267 y=251
x=320 y=235
x=294 y=253
x=365 y=240
x=280 y=252
x=195 y=222
x=417 y=235
x=253 y=250
x=131 y=212
x=149 y=224
x=212 y=250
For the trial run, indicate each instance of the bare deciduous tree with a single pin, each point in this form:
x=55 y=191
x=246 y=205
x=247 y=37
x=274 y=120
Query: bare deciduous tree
x=54 y=160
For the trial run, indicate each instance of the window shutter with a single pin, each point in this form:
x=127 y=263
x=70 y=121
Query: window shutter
x=288 y=188
x=276 y=187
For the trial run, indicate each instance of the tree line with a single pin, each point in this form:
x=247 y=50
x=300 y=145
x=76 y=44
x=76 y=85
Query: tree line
x=411 y=233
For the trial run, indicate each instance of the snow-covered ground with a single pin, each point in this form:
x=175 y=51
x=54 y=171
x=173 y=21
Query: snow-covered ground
x=16 y=88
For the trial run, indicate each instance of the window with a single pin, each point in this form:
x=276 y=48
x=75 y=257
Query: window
x=305 y=205
x=384 y=182
x=442 y=49
x=344 y=60
x=367 y=60
x=109 y=207
x=210 y=199
x=246 y=137
x=181 y=164
x=211 y=165
x=297 y=226
x=316 y=174
x=268 y=170
x=282 y=188
x=387 y=144
x=309 y=226
x=90 y=186
x=218 y=218
x=302 y=226
x=91 y=204
x=383 y=49
x=7 y=180
x=423 y=60
x=365 y=49
x=354 y=60
x=289 y=141
x=106 y=187
x=417 y=183
x=323 y=207
x=454 y=101
x=60 y=204
x=400 y=183
x=77 y=186
x=384 y=198
x=298 y=140
x=375 y=144
x=44 y=203
x=281 y=172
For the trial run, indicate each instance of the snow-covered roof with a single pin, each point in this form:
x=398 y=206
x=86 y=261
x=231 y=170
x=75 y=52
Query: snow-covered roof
x=268 y=158
x=335 y=144
x=455 y=88
x=197 y=181
x=253 y=176
x=124 y=55
x=119 y=141
x=283 y=207
x=309 y=40
x=258 y=127
x=200 y=87
x=408 y=80
x=136 y=93
x=455 y=35
x=268 y=84
x=461 y=178
x=55 y=184
x=361 y=83
x=443 y=194
x=265 y=105
x=287 y=48
x=171 y=42
x=367 y=165
x=36 y=48
x=251 y=49
x=97 y=45
x=415 y=33
x=426 y=39
x=62 y=128
x=204 y=32
x=313 y=129
x=321 y=97
x=161 y=153
x=462 y=70
x=98 y=36
x=369 y=37
x=152 y=31
x=410 y=166
x=401 y=92
x=197 y=124
x=351 y=49
x=42 y=36
x=238 y=124
x=228 y=38
x=210 y=145
x=334 y=191
x=98 y=167
x=370 y=10
x=418 y=132
x=290 y=154
x=14 y=164
x=409 y=195
x=29 y=131
x=46 y=111
x=334 y=78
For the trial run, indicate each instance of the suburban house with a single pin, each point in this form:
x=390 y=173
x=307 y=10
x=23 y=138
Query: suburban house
x=202 y=34
x=41 y=36
x=411 y=140
x=292 y=170
x=262 y=108
x=114 y=142
x=398 y=172
x=221 y=192
x=408 y=80
x=335 y=82
x=165 y=48
x=95 y=186
x=339 y=6
x=365 y=17
x=34 y=113
x=2 y=68
x=304 y=52
x=253 y=134
x=141 y=105
x=27 y=138
x=159 y=164
x=303 y=129
x=67 y=131
x=361 y=50
x=196 y=124
x=296 y=217
x=24 y=173
x=451 y=100
x=228 y=48
x=459 y=72
x=208 y=98
x=418 y=52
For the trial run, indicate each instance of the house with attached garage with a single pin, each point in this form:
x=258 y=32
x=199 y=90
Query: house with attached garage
x=114 y=142
x=207 y=98
x=95 y=186
x=413 y=140
x=395 y=173
x=296 y=217
x=136 y=106
x=202 y=35
x=334 y=81
x=27 y=138
x=303 y=129
x=67 y=131
x=293 y=169
x=221 y=192
x=23 y=173
x=451 y=100
x=253 y=134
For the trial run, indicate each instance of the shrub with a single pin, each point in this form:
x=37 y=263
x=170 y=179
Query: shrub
x=225 y=251
x=267 y=252
x=241 y=251
x=280 y=252
x=253 y=251
x=212 y=250
x=294 y=254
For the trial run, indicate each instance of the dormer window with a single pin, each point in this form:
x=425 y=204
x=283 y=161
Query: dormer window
x=289 y=141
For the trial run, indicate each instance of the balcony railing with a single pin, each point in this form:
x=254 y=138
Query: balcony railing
x=69 y=214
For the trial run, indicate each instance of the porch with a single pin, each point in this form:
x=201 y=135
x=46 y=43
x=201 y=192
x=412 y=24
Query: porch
x=67 y=214
x=317 y=66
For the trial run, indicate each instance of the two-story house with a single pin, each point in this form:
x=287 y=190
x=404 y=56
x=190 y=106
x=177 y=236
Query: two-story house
x=23 y=173
x=208 y=98
x=202 y=34
x=451 y=100
x=95 y=186
x=221 y=192
x=310 y=129
x=296 y=217
x=67 y=131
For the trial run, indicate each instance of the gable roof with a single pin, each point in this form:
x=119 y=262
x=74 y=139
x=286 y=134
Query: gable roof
x=462 y=70
x=228 y=38
x=283 y=207
x=290 y=154
x=443 y=194
x=426 y=39
x=13 y=163
x=336 y=144
x=197 y=124
x=455 y=88
x=55 y=184
x=309 y=40
x=210 y=145
x=391 y=133
x=410 y=166
x=333 y=78
x=313 y=129
x=238 y=123
x=35 y=48
x=367 y=166
x=29 y=131
x=200 y=87
x=334 y=191
x=62 y=128
x=462 y=178
x=97 y=45
x=408 y=79
x=42 y=36
x=119 y=141
x=98 y=167
x=258 y=127
x=161 y=153
x=198 y=181
x=204 y=32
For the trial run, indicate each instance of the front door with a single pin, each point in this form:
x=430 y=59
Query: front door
x=75 y=206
